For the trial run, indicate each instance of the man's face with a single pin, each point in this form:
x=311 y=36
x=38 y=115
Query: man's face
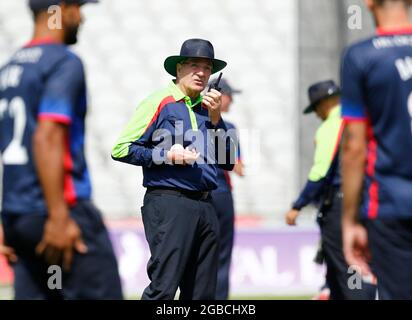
x=226 y=102
x=324 y=106
x=374 y=7
x=320 y=112
x=71 y=20
x=193 y=74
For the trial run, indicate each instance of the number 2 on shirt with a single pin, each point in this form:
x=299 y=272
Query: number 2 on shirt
x=15 y=153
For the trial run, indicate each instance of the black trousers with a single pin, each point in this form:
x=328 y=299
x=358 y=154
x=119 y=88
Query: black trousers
x=182 y=234
x=223 y=203
x=337 y=274
x=390 y=242
x=93 y=275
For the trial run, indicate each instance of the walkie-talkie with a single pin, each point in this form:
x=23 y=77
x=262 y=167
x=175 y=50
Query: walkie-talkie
x=216 y=84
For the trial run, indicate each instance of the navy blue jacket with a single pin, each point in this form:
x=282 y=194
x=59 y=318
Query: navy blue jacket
x=168 y=117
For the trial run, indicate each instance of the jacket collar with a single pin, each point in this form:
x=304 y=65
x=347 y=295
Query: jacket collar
x=178 y=95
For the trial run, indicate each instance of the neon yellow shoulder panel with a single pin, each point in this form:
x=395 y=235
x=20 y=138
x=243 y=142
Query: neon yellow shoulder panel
x=137 y=126
x=326 y=141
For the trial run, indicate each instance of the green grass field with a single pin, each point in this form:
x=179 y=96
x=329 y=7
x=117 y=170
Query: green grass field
x=6 y=293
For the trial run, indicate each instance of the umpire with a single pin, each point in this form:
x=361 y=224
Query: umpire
x=323 y=189
x=180 y=221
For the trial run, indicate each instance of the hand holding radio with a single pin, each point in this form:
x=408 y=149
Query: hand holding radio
x=213 y=101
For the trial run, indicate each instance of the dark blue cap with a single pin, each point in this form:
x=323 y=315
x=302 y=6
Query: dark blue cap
x=319 y=91
x=226 y=88
x=37 y=5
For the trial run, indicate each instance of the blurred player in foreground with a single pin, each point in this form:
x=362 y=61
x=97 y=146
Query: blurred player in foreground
x=47 y=214
x=377 y=151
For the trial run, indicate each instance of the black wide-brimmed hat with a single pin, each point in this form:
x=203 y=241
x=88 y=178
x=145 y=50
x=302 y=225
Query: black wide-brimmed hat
x=319 y=91
x=194 y=48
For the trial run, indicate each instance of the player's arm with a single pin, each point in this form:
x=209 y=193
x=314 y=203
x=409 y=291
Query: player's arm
x=239 y=166
x=61 y=235
x=5 y=250
x=326 y=146
x=354 y=150
x=225 y=145
x=9 y=253
x=48 y=149
x=309 y=193
x=353 y=167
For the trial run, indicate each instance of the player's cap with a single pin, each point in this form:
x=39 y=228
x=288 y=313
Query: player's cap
x=319 y=91
x=226 y=88
x=194 y=48
x=37 y=5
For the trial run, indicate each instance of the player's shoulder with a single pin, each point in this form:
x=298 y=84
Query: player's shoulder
x=48 y=57
x=72 y=60
x=59 y=61
x=59 y=54
x=358 y=50
x=156 y=98
x=72 y=56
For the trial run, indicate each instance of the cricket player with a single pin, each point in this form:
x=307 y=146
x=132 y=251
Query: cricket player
x=48 y=217
x=377 y=151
